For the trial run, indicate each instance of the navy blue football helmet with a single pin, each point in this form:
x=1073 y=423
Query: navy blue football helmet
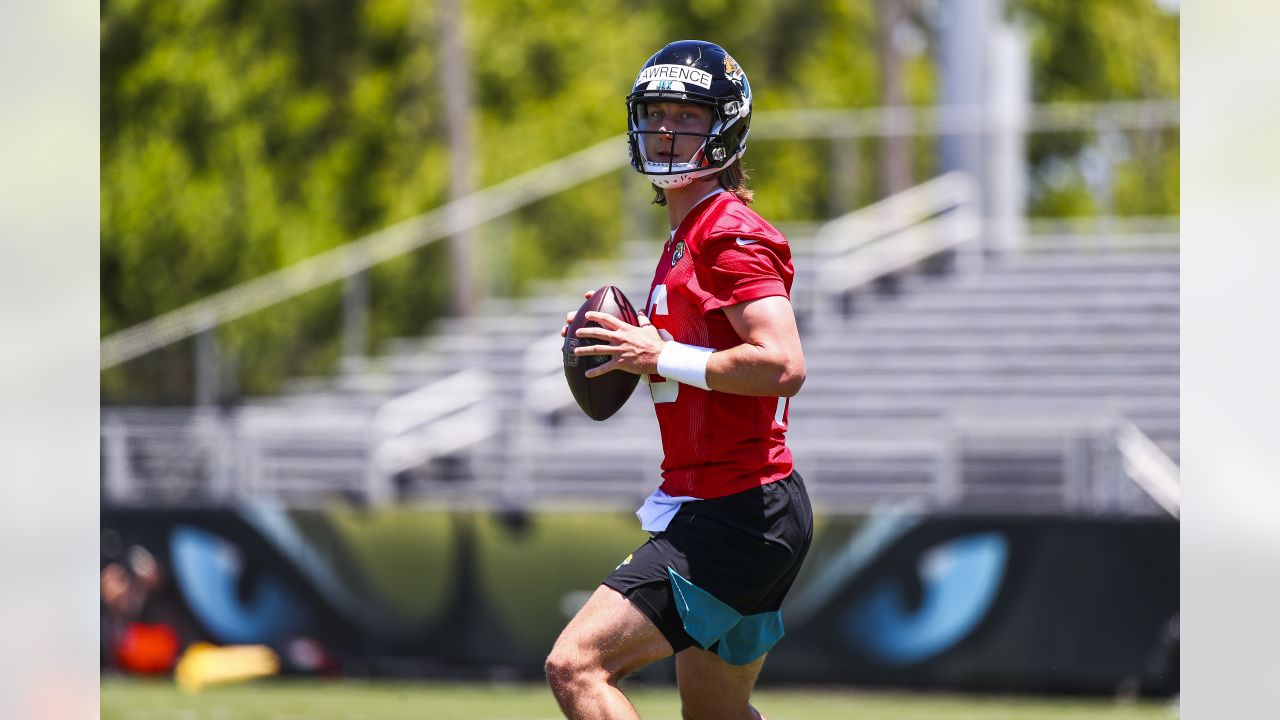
x=691 y=71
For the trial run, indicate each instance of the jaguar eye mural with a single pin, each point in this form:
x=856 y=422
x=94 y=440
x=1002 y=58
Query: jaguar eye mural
x=913 y=602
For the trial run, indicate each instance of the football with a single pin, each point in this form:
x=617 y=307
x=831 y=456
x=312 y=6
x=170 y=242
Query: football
x=599 y=397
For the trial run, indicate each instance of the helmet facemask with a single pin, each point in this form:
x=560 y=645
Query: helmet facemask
x=671 y=157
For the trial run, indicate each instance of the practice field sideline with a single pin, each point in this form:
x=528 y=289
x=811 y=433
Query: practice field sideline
x=127 y=699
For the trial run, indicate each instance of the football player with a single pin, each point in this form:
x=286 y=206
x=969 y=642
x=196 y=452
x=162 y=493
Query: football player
x=718 y=347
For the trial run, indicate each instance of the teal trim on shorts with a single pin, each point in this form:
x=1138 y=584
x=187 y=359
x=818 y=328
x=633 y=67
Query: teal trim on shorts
x=743 y=638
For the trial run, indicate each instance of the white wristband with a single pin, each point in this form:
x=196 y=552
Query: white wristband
x=684 y=363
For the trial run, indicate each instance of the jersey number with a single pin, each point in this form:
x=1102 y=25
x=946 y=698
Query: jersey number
x=661 y=390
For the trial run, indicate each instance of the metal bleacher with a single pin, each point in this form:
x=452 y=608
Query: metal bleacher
x=988 y=387
x=939 y=376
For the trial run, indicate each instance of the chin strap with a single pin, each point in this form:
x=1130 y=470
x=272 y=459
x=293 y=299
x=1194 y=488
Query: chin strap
x=681 y=179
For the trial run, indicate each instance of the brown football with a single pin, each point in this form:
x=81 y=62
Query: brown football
x=599 y=397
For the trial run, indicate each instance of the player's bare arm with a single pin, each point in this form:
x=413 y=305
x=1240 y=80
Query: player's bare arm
x=768 y=363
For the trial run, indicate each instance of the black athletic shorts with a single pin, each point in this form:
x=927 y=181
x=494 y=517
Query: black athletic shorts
x=716 y=577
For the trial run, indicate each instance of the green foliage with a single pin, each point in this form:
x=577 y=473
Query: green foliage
x=241 y=137
x=1096 y=50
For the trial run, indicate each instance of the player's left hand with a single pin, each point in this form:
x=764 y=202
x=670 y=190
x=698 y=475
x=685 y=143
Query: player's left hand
x=634 y=348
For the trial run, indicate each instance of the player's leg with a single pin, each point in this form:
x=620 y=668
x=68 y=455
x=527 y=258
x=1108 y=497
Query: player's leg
x=712 y=689
x=608 y=639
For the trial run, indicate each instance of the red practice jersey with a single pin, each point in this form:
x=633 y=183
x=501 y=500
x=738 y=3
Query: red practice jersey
x=715 y=443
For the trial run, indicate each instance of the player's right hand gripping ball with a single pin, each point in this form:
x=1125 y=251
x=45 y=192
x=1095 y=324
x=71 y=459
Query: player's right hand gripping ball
x=601 y=396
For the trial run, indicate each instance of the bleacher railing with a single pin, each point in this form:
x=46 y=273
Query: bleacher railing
x=1149 y=468
x=1098 y=464
x=895 y=234
x=203 y=455
x=436 y=420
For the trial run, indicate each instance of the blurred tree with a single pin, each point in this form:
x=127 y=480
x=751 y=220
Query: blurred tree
x=242 y=137
x=1098 y=50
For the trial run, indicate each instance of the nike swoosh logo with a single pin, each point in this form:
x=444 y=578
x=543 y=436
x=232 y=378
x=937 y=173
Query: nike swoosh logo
x=742 y=241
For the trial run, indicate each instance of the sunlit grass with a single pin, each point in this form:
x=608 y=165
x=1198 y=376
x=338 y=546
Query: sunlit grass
x=124 y=699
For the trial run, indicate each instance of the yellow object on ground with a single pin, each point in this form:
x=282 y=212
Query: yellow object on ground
x=204 y=664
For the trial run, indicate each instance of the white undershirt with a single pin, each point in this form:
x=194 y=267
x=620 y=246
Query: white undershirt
x=658 y=509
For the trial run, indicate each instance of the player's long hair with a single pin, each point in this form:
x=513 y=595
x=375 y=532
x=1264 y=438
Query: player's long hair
x=732 y=178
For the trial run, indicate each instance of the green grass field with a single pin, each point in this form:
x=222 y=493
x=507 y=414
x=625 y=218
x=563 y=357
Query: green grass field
x=349 y=700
